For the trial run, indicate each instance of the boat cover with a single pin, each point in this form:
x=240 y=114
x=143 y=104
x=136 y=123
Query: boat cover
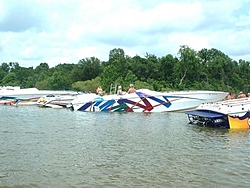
x=205 y=114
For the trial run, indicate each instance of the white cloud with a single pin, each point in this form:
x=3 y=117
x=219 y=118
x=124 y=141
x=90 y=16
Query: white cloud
x=53 y=31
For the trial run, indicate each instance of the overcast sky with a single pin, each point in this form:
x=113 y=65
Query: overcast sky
x=66 y=31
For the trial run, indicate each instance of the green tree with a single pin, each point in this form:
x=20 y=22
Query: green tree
x=208 y=69
x=110 y=75
x=5 y=67
x=87 y=86
x=57 y=81
x=187 y=69
x=116 y=70
x=166 y=69
x=116 y=54
x=218 y=70
x=10 y=79
x=244 y=72
x=87 y=69
x=138 y=66
x=41 y=74
x=4 y=70
x=23 y=74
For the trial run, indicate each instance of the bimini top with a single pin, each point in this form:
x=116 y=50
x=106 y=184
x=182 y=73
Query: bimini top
x=205 y=114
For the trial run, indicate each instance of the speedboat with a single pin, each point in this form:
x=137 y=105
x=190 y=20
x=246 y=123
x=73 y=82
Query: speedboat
x=27 y=96
x=9 y=90
x=229 y=114
x=9 y=100
x=17 y=91
x=145 y=100
x=55 y=101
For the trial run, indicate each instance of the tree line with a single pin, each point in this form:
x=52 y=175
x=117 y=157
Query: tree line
x=207 y=69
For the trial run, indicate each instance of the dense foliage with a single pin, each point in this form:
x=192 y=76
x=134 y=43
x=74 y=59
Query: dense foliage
x=207 y=69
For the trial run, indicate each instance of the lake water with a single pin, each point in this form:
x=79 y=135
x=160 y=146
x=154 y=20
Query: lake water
x=59 y=148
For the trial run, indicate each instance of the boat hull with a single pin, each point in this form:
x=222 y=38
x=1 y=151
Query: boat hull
x=239 y=122
x=230 y=114
x=52 y=101
x=28 y=96
x=145 y=101
x=9 y=100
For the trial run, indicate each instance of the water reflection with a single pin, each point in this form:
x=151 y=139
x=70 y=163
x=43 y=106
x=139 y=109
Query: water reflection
x=238 y=133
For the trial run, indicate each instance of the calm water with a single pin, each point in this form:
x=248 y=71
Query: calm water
x=59 y=148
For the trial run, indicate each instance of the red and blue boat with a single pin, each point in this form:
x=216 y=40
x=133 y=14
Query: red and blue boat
x=145 y=100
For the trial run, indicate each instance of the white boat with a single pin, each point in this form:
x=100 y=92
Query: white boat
x=11 y=100
x=144 y=100
x=55 y=101
x=230 y=114
x=17 y=91
x=27 y=96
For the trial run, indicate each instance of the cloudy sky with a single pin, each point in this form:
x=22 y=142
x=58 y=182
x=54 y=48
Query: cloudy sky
x=65 y=31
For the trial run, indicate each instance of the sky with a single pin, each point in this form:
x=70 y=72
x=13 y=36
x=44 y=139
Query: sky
x=66 y=31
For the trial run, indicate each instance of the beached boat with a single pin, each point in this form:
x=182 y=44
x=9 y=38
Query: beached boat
x=230 y=114
x=28 y=96
x=144 y=100
x=55 y=101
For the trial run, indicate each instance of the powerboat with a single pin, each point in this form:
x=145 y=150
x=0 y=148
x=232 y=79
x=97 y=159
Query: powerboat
x=9 y=90
x=229 y=114
x=11 y=100
x=28 y=96
x=55 y=101
x=17 y=91
x=145 y=100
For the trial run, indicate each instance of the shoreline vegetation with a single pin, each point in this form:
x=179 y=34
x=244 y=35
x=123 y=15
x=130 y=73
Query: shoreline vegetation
x=207 y=69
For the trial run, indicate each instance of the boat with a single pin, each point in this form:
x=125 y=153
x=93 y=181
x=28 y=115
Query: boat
x=227 y=114
x=55 y=101
x=17 y=91
x=27 y=96
x=11 y=100
x=145 y=100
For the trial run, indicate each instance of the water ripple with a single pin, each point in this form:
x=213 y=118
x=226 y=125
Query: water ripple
x=59 y=148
